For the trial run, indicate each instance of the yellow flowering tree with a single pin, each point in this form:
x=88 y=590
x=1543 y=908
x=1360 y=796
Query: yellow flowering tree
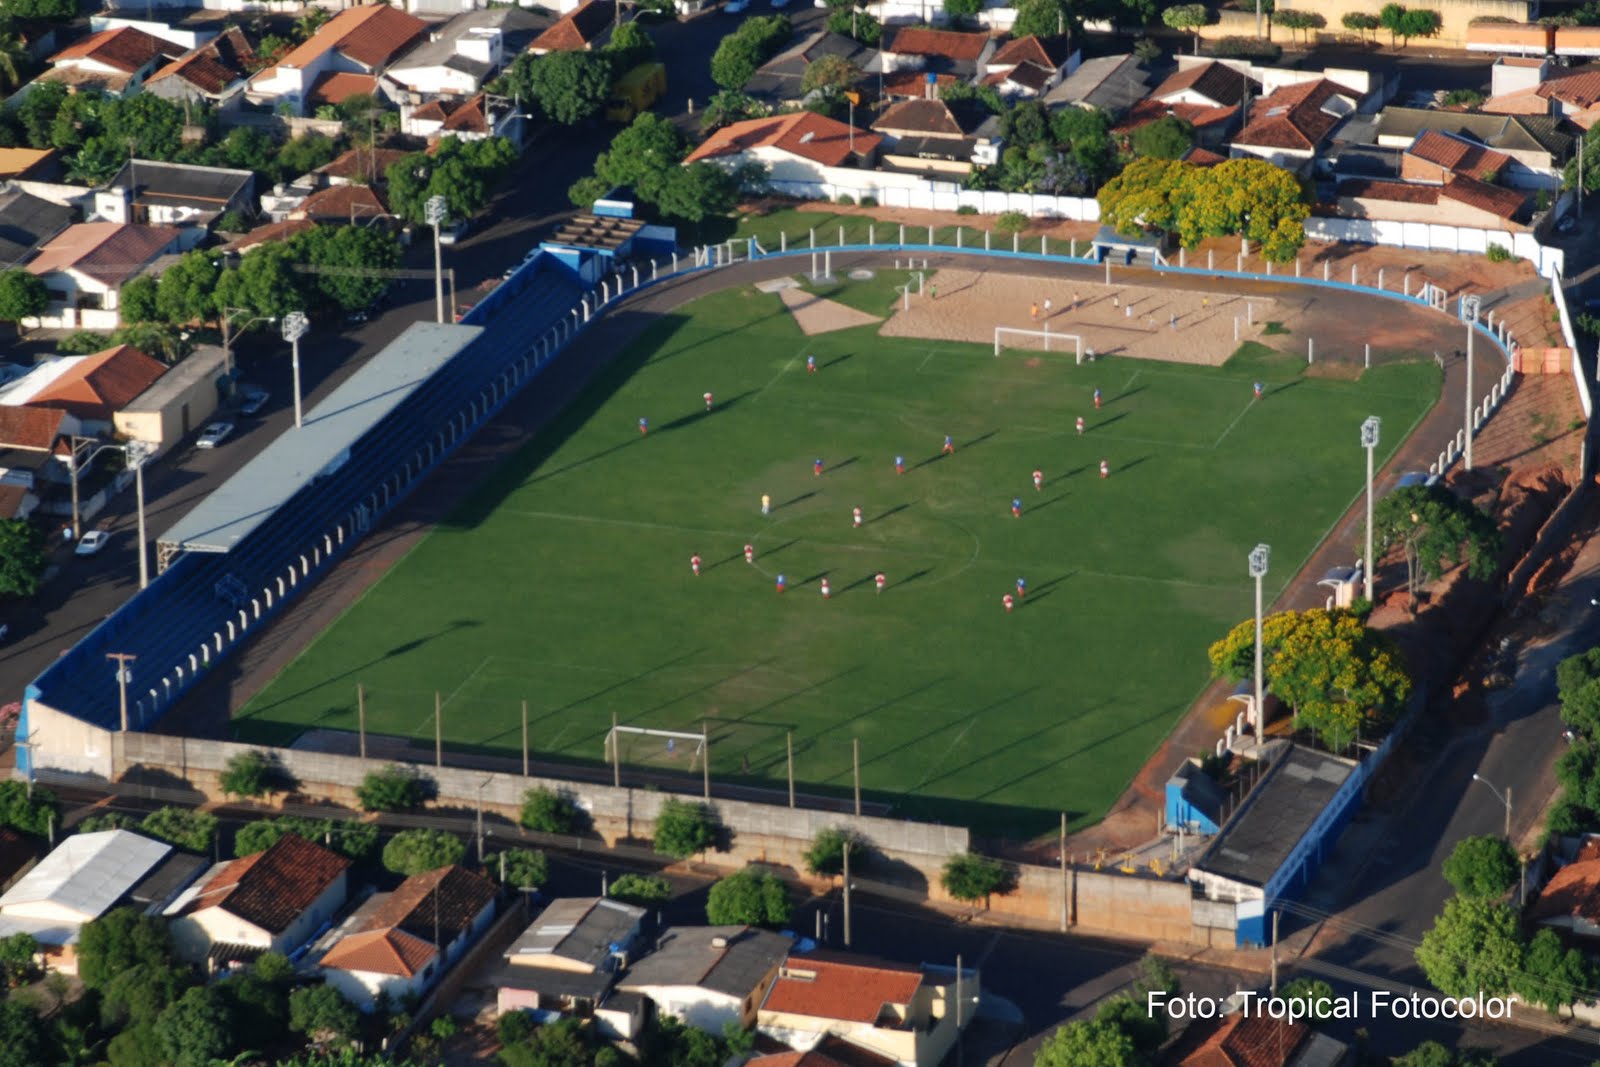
x=1335 y=672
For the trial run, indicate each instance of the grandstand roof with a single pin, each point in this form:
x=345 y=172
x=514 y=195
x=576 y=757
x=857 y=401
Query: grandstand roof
x=280 y=470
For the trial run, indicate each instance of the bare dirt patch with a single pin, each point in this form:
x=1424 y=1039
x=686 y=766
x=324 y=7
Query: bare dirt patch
x=1177 y=325
x=816 y=314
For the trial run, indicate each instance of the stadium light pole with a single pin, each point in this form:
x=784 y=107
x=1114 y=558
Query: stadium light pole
x=435 y=211
x=1369 y=441
x=1258 y=570
x=1504 y=798
x=1469 y=311
x=294 y=328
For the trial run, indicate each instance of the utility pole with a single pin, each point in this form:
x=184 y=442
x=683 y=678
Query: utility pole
x=524 y=739
x=295 y=326
x=705 y=759
x=1369 y=441
x=361 y=718
x=438 y=730
x=435 y=211
x=847 y=842
x=855 y=760
x=1065 y=902
x=788 y=740
x=75 y=443
x=1274 y=986
x=124 y=676
x=1258 y=570
x=137 y=452
x=1469 y=311
x=616 y=762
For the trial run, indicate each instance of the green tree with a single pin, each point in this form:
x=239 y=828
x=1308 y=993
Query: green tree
x=696 y=192
x=350 y=248
x=830 y=75
x=1483 y=866
x=137 y=996
x=323 y=1015
x=856 y=24
x=137 y=299
x=392 y=788
x=756 y=40
x=1553 y=976
x=970 y=877
x=1359 y=22
x=1129 y=1014
x=107 y=820
x=1299 y=21
x=1045 y=18
x=521 y=868
x=19 y=959
x=32 y=811
x=1578 y=684
x=645 y=890
x=23 y=1041
x=250 y=774
x=197 y=1029
x=1168 y=137
x=1143 y=196
x=1435 y=529
x=261 y=1008
x=1419 y=23
x=419 y=851
x=569 y=87
x=958 y=10
x=304 y=154
x=558 y=1044
x=826 y=854
x=40 y=10
x=748 y=898
x=263 y=283
x=1474 y=946
x=37 y=112
x=629 y=46
x=547 y=812
x=684 y=828
x=465 y=173
x=185 y=292
x=22 y=558
x=1334 y=671
x=149 y=125
x=1101 y=1043
x=185 y=828
x=1314 y=993
x=22 y=295
x=1187 y=18
x=356 y=840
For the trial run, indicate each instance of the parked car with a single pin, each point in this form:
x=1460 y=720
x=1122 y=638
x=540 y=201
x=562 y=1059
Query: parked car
x=453 y=232
x=92 y=542
x=1415 y=478
x=214 y=434
x=252 y=398
x=357 y=318
x=735 y=7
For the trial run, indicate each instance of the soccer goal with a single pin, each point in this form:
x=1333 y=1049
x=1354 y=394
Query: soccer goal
x=1002 y=332
x=642 y=746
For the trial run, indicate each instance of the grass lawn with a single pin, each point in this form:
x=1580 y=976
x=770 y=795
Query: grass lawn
x=566 y=582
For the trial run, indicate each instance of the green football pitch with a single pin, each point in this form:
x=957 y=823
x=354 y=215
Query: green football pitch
x=565 y=580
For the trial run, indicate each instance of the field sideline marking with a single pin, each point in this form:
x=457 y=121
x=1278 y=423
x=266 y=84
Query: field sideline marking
x=1242 y=413
x=466 y=681
x=774 y=379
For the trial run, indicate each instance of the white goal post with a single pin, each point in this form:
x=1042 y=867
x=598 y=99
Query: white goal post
x=642 y=744
x=1048 y=335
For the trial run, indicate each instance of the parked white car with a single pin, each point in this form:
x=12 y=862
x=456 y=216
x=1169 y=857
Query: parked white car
x=92 y=542
x=214 y=435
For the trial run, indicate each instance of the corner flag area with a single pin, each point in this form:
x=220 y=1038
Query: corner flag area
x=566 y=581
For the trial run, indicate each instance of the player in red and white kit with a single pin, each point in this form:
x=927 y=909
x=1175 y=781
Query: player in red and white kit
x=1105 y=469
x=749 y=553
x=1080 y=425
x=1009 y=601
x=708 y=401
x=1038 y=481
x=855 y=517
x=880 y=581
x=826 y=590
x=694 y=564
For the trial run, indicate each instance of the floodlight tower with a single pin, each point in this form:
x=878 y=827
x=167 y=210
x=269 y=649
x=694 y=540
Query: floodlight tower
x=1369 y=441
x=1258 y=570
x=294 y=328
x=435 y=211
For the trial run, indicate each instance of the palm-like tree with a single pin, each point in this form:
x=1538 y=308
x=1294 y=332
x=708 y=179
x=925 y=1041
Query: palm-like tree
x=13 y=60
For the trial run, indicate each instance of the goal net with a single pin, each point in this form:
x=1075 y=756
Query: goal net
x=680 y=750
x=1049 y=340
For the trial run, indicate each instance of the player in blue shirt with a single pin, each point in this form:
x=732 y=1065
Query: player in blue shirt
x=816 y=467
x=1022 y=588
x=1016 y=506
x=949 y=446
x=899 y=464
x=644 y=427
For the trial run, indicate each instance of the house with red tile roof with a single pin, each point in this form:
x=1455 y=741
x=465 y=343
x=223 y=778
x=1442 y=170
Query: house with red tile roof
x=272 y=901
x=472 y=119
x=1029 y=66
x=583 y=29
x=939 y=138
x=95 y=387
x=342 y=204
x=906 y=1014
x=85 y=265
x=1436 y=155
x=1570 y=901
x=114 y=61
x=360 y=41
x=795 y=147
x=1256 y=1040
x=213 y=73
x=1460 y=201
x=399 y=944
x=922 y=48
x=1289 y=125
